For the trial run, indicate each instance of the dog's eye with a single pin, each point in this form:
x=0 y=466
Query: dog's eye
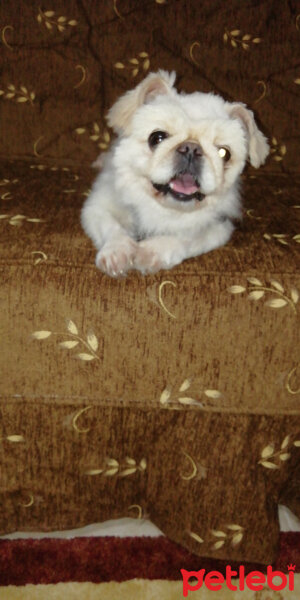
x=156 y=138
x=224 y=153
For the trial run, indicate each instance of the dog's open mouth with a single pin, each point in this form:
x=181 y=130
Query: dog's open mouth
x=182 y=187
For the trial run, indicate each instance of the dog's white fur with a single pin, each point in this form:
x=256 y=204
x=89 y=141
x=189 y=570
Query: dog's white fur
x=131 y=223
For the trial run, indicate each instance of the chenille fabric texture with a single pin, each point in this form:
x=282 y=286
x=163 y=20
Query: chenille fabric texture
x=174 y=396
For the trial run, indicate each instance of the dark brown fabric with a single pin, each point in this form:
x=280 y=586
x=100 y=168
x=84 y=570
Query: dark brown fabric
x=77 y=57
x=176 y=395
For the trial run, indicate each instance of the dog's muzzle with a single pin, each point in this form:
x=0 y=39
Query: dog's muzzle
x=184 y=186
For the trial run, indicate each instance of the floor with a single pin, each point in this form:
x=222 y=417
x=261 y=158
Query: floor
x=135 y=527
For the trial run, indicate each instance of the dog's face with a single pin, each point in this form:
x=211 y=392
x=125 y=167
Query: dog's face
x=185 y=151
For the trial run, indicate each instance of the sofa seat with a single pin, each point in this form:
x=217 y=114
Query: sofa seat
x=172 y=396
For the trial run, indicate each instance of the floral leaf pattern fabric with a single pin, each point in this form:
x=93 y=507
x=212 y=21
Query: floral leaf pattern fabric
x=168 y=396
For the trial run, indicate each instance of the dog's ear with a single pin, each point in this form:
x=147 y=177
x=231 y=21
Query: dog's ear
x=120 y=114
x=258 y=145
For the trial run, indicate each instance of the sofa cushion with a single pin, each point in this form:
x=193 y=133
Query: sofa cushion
x=174 y=395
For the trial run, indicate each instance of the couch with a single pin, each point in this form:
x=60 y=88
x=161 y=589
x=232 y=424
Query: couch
x=173 y=396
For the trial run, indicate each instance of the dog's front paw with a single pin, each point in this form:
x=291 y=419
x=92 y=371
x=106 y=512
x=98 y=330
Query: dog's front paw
x=158 y=253
x=117 y=257
x=148 y=261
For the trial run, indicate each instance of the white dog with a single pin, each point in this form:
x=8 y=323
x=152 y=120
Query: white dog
x=168 y=189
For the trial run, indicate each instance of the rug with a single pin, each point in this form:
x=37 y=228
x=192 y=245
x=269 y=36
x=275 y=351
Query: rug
x=139 y=569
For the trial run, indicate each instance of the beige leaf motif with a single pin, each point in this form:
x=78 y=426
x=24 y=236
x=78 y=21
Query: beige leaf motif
x=93 y=341
x=237 y=289
x=185 y=385
x=284 y=456
x=34 y=220
x=256 y=295
x=69 y=344
x=165 y=396
x=41 y=335
x=133 y=64
x=113 y=468
x=93 y=471
x=112 y=462
x=95 y=135
x=219 y=534
x=72 y=327
x=276 y=303
x=130 y=461
x=196 y=537
x=237 y=538
x=236 y=39
x=215 y=394
x=51 y=20
x=219 y=544
x=285 y=442
x=85 y=357
x=143 y=464
x=15 y=438
x=234 y=527
x=278 y=151
x=277 y=286
x=268 y=465
x=127 y=472
x=110 y=472
x=21 y=95
x=267 y=451
x=294 y=295
x=186 y=400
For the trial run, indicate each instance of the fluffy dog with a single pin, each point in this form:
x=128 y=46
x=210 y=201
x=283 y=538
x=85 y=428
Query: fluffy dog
x=168 y=188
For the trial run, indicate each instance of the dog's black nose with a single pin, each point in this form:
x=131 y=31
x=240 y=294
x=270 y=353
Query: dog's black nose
x=190 y=149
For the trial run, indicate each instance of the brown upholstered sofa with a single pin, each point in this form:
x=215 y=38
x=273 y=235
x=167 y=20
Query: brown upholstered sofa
x=177 y=395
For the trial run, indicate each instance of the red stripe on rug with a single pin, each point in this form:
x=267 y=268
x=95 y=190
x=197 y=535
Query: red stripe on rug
x=115 y=559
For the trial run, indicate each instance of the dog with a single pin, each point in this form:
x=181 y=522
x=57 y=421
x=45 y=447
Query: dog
x=168 y=188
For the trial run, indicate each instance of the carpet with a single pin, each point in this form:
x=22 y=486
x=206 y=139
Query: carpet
x=136 y=569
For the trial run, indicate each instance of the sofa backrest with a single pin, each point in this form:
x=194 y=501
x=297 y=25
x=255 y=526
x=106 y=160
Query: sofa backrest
x=63 y=64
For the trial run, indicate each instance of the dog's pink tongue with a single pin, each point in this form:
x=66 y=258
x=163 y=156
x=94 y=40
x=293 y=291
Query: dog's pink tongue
x=185 y=184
